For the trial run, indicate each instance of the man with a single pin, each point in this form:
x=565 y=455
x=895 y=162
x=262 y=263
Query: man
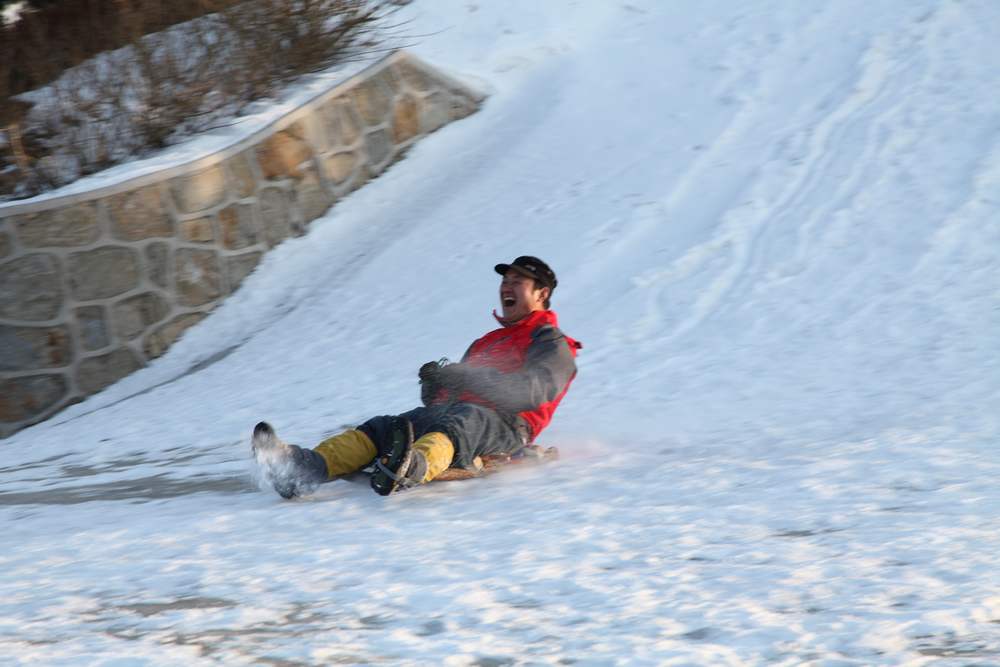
x=495 y=401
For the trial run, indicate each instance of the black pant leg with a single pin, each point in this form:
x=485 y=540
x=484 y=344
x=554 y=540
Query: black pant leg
x=379 y=429
x=474 y=430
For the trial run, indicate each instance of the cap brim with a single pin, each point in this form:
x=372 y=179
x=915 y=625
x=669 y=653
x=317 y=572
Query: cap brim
x=502 y=269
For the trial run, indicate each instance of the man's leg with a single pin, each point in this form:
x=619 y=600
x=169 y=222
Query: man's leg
x=445 y=435
x=474 y=431
x=437 y=451
x=457 y=434
x=295 y=471
x=346 y=452
x=409 y=451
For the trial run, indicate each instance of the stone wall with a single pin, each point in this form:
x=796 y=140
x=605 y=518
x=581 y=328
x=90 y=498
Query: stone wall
x=93 y=286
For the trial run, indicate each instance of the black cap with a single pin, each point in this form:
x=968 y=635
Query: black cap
x=531 y=267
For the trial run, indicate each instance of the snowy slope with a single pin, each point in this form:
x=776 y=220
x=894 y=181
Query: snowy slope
x=776 y=233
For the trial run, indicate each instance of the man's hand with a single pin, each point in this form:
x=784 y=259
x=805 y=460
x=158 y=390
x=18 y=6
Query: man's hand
x=428 y=372
x=436 y=378
x=430 y=382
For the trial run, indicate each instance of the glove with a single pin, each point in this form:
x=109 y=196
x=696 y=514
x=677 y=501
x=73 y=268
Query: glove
x=430 y=385
x=428 y=372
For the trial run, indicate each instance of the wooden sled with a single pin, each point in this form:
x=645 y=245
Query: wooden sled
x=487 y=465
x=531 y=455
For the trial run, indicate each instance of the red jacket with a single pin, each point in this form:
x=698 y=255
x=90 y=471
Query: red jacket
x=523 y=369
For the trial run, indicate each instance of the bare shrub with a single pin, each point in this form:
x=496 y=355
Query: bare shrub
x=165 y=86
x=49 y=39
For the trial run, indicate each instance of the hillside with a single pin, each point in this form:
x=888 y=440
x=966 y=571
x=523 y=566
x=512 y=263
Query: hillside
x=775 y=231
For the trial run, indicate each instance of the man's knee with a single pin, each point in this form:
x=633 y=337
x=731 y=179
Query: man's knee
x=379 y=431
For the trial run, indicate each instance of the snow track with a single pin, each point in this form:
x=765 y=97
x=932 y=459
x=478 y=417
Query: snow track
x=776 y=232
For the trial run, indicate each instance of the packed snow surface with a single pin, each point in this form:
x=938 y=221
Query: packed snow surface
x=776 y=227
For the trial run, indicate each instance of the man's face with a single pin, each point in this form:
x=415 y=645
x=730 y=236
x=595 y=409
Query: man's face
x=519 y=297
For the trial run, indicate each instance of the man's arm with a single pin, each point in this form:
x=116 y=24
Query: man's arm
x=548 y=367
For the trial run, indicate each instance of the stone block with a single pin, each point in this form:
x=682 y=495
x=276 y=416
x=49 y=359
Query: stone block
x=350 y=123
x=405 y=119
x=73 y=226
x=379 y=147
x=140 y=214
x=199 y=230
x=373 y=101
x=135 y=314
x=461 y=105
x=308 y=129
x=157 y=263
x=26 y=398
x=341 y=125
x=34 y=348
x=282 y=155
x=326 y=114
x=239 y=267
x=339 y=167
x=387 y=80
x=5 y=244
x=30 y=288
x=95 y=373
x=413 y=77
x=312 y=197
x=157 y=342
x=199 y=280
x=92 y=325
x=435 y=112
x=241 y=175
x=200 y=191
x=275 y=215
x=104 y=272
x=238 y=227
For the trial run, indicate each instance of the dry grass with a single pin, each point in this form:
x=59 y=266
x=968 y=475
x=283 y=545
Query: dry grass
x=166 y=85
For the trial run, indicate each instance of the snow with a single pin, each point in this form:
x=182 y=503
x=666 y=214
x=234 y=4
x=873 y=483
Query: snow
x=775 y=230
x=11 y=14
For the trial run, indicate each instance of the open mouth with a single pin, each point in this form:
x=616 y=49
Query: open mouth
x=508 y=301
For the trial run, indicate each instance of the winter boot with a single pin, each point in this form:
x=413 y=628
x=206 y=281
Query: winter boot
x=291 y=470
x=392 y=471
x=411 y=463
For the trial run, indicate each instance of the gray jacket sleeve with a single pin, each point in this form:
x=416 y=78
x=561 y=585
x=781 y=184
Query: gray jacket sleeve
x=548 y=368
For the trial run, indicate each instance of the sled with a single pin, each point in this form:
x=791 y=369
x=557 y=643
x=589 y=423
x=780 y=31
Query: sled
x=531 y=455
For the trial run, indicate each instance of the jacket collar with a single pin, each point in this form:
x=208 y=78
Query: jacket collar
x=535 y=319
